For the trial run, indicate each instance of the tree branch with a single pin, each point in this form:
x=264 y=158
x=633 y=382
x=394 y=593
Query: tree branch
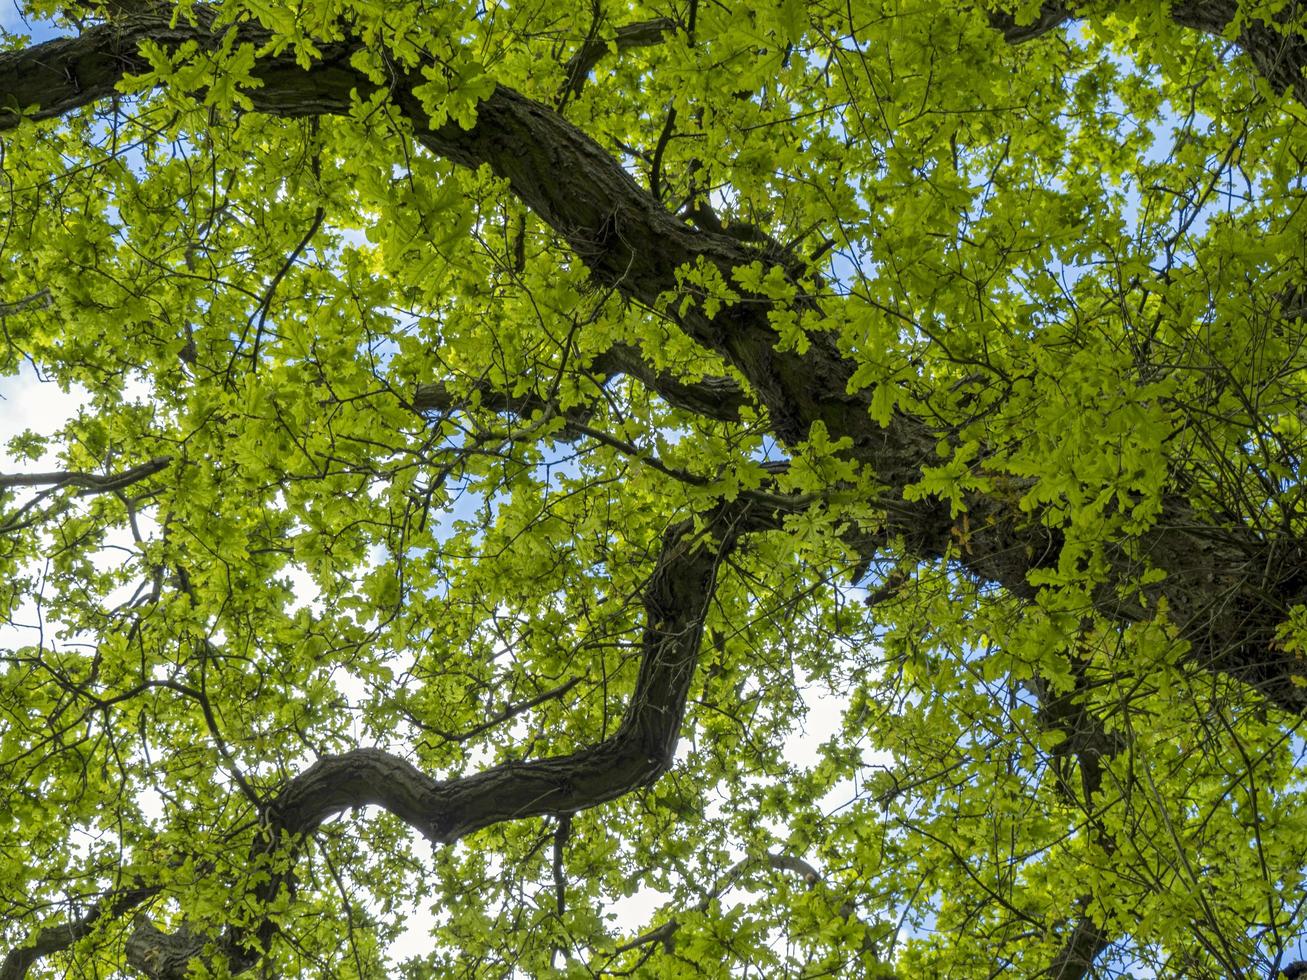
x=631 y=243
x=1048 y=18
x=1089 y=744
x=642 y=34
x=1277 y=50
x=56 y=939
x=89 y=483
x=1083 y=945
x=775 y=861
x=39 y=300
x=712 y=397
x=676 y=601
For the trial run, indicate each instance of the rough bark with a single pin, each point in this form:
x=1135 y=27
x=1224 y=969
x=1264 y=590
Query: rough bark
x=54 y=939
x=675 y=603
x=712 y=397
x=1278 y=49
x=1083 y=945
x=1225 y=590
x=676 y=600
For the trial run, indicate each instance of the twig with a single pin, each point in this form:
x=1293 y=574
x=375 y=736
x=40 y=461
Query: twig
x=90 y=483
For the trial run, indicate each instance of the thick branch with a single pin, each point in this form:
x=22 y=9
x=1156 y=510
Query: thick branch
x=1049 y=17
x=88 y=483
x=627 y=238
x=56 y=939
x=642 y=34
x=632 y=244
x=676 y=600
x=54 y=78
x=1082 y=946
x=713 y=397
x=1278 y=51
x=159 y=954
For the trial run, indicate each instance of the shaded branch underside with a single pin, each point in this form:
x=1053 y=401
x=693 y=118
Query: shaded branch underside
x=631 y=243
x=676 y=600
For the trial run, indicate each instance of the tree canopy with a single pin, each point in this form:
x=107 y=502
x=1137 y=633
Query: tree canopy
x=496 y=416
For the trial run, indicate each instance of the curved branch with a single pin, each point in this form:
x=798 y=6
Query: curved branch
x=676 y=600
x=88 y=483
x=631 y=243
x=1277 y=50
x=776 y=862
x=642 y=34
x=711 y=397
x=55 y=939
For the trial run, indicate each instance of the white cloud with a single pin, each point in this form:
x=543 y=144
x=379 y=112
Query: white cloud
x=27 y=402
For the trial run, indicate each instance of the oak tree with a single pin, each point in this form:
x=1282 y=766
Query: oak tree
x=497 y=417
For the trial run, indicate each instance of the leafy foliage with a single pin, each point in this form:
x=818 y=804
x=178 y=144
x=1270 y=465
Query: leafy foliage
x=496 y=417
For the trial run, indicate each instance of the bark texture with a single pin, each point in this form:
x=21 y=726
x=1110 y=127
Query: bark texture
x=676 y=599
x=1225 y=591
